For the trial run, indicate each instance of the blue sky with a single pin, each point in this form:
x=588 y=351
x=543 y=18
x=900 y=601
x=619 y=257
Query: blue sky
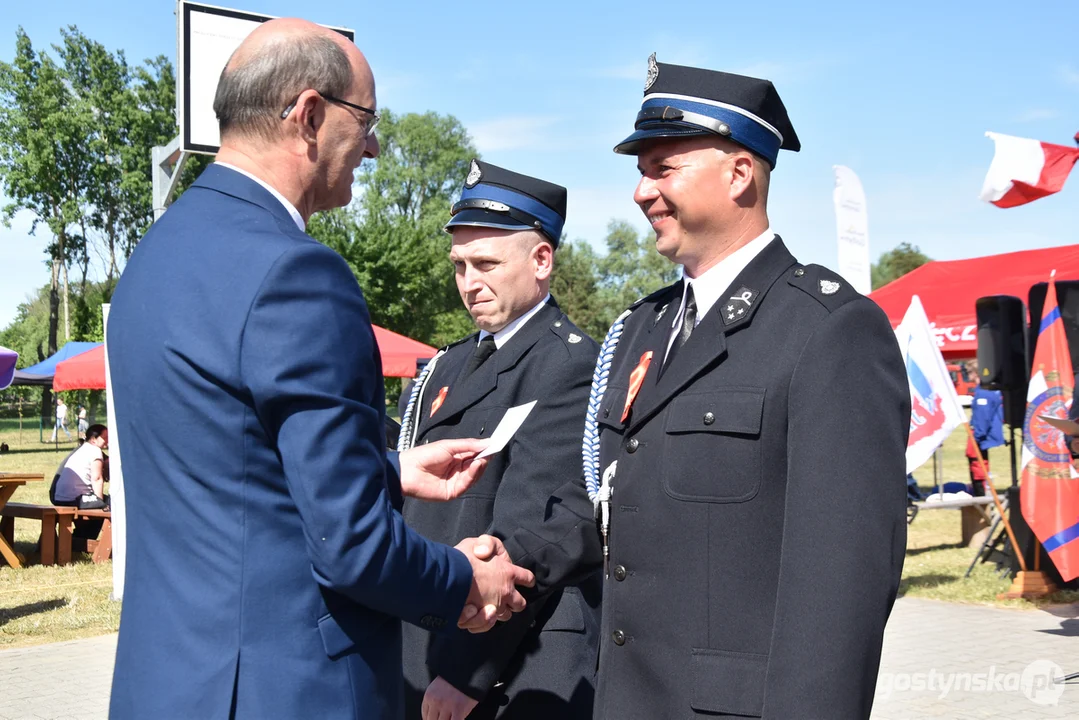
x=902 y=94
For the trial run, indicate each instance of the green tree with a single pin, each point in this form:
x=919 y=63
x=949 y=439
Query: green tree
x=896 y=263
x=44 y=163
x=100 y=80
x=631 y=269
x=575 y=284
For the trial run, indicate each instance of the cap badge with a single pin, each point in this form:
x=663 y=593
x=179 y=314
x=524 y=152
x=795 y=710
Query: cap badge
x=474 y=175
x=653 y=72
x=574 y=338
x=829 y=287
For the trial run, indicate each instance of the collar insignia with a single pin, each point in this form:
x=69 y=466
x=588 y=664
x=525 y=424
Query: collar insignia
x=574 y=338
x=829 y=287
x=737 y=306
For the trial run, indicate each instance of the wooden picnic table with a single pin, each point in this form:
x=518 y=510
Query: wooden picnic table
x=9 y=483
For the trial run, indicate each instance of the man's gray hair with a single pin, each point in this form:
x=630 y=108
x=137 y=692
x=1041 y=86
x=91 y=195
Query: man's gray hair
x=252 y=95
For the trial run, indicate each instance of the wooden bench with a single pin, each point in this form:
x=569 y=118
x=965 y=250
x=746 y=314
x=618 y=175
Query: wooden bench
x=101 y=549
x=49 y=515
x=975 y=515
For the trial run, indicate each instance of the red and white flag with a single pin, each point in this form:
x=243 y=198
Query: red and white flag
x=934 y=406
x=1024 y=170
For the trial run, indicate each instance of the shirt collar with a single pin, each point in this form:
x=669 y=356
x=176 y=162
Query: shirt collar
x=296 y=217
x=503 y=336
x=717 y=279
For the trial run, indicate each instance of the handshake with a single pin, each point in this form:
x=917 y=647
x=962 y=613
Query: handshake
x=442 y=471
x=495 y=578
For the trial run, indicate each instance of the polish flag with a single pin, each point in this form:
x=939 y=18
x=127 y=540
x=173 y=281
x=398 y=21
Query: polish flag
x=1024 y=170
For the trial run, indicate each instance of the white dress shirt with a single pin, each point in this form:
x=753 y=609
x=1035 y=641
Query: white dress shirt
x=296 y=217
x=503 y=336
x=716 y=280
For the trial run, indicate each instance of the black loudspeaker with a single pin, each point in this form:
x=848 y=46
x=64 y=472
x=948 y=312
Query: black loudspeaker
x=1002 y=343
x=1068 y=301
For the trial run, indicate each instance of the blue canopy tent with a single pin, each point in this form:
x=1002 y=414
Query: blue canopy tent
x=42 y=373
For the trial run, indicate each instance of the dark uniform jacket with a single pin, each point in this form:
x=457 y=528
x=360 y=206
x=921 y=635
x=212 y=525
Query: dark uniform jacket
x=757 y=522
x=544 y=659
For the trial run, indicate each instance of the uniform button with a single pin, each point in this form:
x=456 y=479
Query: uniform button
x=632 y=445
x=558 y=323
x=709 y=418
x=619 y=573
x=607 y=412
x=619 y=637
x=799 y=272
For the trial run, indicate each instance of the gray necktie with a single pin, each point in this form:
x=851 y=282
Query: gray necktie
x=689 y=319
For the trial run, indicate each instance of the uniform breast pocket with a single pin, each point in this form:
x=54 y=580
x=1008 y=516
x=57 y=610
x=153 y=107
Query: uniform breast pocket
x=712 y=448
x=481 y=423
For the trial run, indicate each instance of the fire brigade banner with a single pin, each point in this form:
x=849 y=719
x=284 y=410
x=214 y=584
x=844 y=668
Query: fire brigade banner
x=1050 y=491
x=934 y=407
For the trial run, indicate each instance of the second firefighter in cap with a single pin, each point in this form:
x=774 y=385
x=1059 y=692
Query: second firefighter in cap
x=505 y=230
x=745 y=439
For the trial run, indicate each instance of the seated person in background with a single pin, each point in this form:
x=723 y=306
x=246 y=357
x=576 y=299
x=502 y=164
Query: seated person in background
x=80 y=480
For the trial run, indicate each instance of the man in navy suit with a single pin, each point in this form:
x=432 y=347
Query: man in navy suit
x=268 y=565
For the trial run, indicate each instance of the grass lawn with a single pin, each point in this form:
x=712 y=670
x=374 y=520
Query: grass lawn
x=49 y=604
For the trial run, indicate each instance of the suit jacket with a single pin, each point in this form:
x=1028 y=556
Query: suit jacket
x=544 y=659
x=267 y=566
x=758 y=516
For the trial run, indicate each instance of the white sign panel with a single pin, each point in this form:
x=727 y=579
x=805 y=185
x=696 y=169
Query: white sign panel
x=206 y=38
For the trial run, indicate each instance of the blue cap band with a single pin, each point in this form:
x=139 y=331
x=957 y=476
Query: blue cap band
x=744 y=130
x=550 y=221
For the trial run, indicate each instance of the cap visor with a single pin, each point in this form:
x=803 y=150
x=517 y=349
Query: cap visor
x=476 y=217
x=632 y=144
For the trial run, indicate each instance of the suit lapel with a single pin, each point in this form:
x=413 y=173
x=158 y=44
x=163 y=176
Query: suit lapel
x=707 y=346
x=484 y=380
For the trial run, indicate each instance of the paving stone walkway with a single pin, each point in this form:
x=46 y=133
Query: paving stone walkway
x=943 y=660
x=940 y=661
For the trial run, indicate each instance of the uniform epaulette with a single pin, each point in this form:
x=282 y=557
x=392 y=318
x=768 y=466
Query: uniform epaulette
x=823 y=285
x=572 y=335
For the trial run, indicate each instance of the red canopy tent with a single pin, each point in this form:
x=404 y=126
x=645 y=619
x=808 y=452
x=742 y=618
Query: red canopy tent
x=87 y=370
x=400 y=353
x=949 y=288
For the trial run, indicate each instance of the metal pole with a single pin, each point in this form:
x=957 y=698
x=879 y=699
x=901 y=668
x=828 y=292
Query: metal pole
x=167 y=164
x=1011 y=448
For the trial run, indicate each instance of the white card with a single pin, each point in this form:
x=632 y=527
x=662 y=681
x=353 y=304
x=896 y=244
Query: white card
x=507 y=428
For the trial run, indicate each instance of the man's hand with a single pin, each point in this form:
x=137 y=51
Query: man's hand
x=494 y=593
x=442 y=470
x=443 y=701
